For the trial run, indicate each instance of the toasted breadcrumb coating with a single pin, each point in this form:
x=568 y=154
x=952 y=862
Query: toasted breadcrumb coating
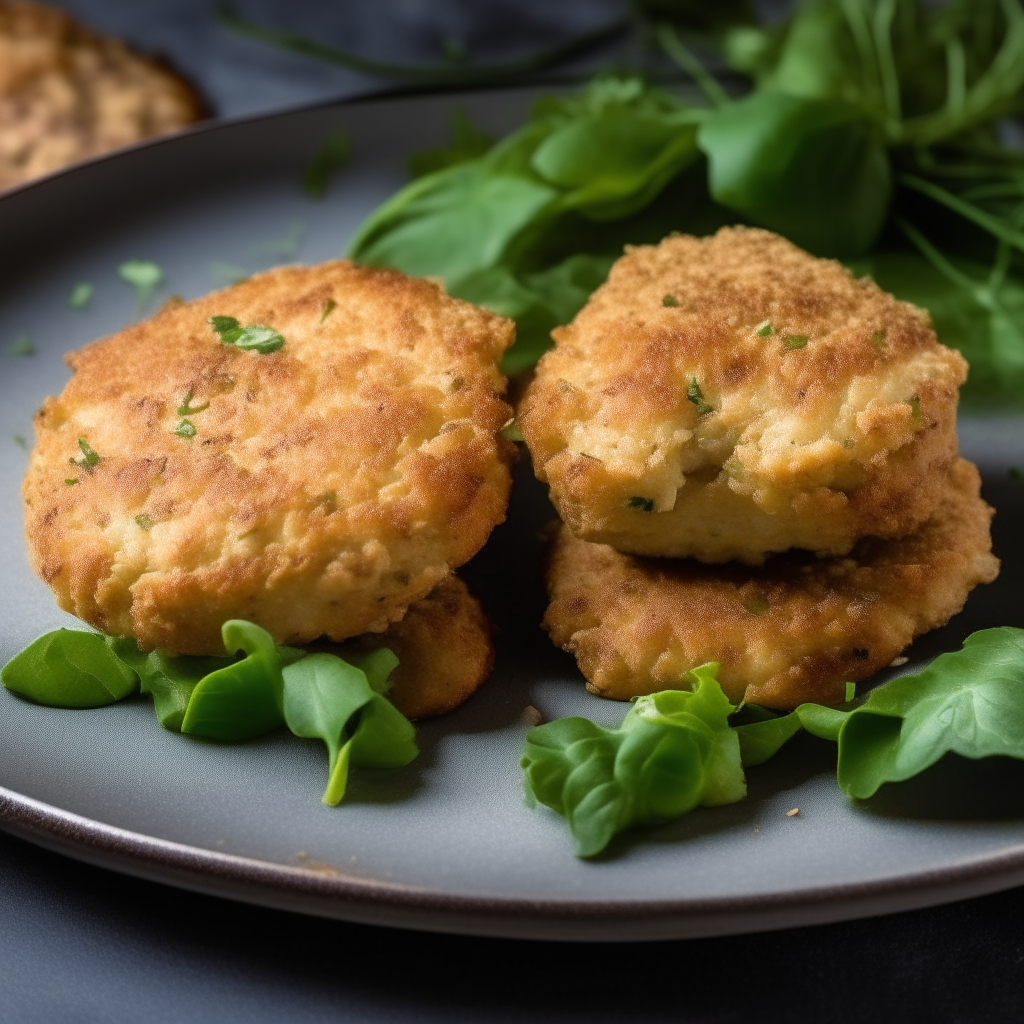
x=732 y=396
x=444 y=651
x=795 y=629
x=327 y=485
x=67 y=93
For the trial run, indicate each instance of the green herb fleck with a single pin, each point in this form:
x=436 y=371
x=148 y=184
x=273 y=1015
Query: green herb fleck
x=144 y=521
x=696 y=396
x=641 y=504
x=255 y=337
x=511 y=432
x=757 y=605
x=329 y=306
x=20 y=442
x=89 y=457
x=763 y=329
x=186 y=409
x=185 y=429
x=333 y=154
x=22 y=347
x=70 y=480
x=851 y=691
x=144 y=276
x=848 y=442
x=916 y=414
x=670 y=300
x=80 y=295
x=794 y=341
x=878 y=339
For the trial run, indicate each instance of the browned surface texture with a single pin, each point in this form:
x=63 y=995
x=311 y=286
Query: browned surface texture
x=793 y=630
x=444 y=651
x=67 y=93
x=839 y=423
x=329 y=484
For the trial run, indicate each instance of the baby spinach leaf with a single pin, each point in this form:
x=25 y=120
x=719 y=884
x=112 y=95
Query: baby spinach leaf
x=69 y=668
x=814 y=170
x=673 y=751
x=242 y=700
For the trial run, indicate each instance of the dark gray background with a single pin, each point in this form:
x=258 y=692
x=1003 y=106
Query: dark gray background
x=82 y=944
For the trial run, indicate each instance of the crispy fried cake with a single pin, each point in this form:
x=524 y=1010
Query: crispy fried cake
x=727 y=397
x=317 y=490
x=793 y=630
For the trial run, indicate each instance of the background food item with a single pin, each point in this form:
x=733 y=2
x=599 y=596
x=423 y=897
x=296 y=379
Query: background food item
x=67 y=93
x=444 y=651
x=793 y=630
x=732 y=396
x=316 y=488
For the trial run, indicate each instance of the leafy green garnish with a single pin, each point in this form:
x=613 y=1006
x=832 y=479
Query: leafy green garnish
x=794 y=341
x=186 y=428
x=468 y=143
x=673 y=751
x=70 y=481
x=334 y=153
x=80 y=296
x=669 y=300
x=22 y=347
x=696 y=396
x=144 y=522
x=763 y=329
x=255 y=337
x=187 y=408
x=641 y=504
x=69 y=669
x=329 y=307
x=90 y=458
x=20 y=442
x=144 y=276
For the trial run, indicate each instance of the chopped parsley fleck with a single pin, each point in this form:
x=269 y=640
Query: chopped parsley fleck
x=187 y=409
x=328 y=501
x=255 y=337
x=851 y=691
x=144 y=521
x=70 y=480
x=80 y=295
x=848 y=442
x=878 y=339
x=511 y=432
x=1016 y=474
x=695 y=395
x=185 y=429
x=22 y=347
x=763 y=329
x=757 y=605
x=144 y=276
x=90 y=457
x=329 y=307
x=793 y=341
x=641 y=504
x=670 y=300
x=916 y=414
x=20 y=442
x=333 y=154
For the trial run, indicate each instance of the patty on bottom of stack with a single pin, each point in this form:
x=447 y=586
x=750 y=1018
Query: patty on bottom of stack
x=793 y=630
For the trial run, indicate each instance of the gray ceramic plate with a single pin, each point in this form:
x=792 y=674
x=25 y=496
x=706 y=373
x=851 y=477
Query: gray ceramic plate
x=447 y=843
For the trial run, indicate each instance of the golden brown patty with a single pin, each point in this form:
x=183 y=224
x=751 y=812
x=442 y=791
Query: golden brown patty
x=793 y=630
x=443 y=647
x=731 y=396
x=67 y=93
x=328 y=485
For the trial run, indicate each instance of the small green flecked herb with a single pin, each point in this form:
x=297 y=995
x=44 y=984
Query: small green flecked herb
x=144 y=276
x=80 y=295
x=22 y=347
x=670 y=300
x=851 y=691
x=696 y=396
x=329 y=306
x=757 y=605
x=333 y=154
x=794 y=341
x=255 y=337
x=70 y=480
x=848 y=442
x=20 y=442
x=641 y=504
x=878 y=339
x=90 y=457
x=763 y=329
x=185 y=429
x=187 y=409
x=511 y=432
x=144 y=521
x=916 y=414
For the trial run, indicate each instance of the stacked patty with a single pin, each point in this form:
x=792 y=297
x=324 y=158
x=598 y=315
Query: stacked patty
x=720 y=401
x=314 y=449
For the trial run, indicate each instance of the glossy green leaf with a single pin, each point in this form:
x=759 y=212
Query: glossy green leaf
x=763 y=738
x=673 y=751
x=242 y=700
x=255 y=337
x=813 y=170
x=69 y=668
x=468 y=143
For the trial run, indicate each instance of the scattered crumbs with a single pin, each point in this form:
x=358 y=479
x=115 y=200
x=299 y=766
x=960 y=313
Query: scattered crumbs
x=144 y=521
x=334 y=153
x=531 y=716
x=670 y=300
x=185 y=429
x=794 y=341
x=851 y=691
x=897 y=662
x=878 y=339
x=1016 y=474
x=22 y=347
x=757 y=830
x=641 y=504
x=757 y=605
x=793 y=813
x=221 y=271
x=80 y=295
x=20 y=442
x=763 y=329
x=329 y=306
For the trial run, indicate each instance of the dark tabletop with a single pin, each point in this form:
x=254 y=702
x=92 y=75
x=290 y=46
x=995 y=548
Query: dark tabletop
x=80 y=944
